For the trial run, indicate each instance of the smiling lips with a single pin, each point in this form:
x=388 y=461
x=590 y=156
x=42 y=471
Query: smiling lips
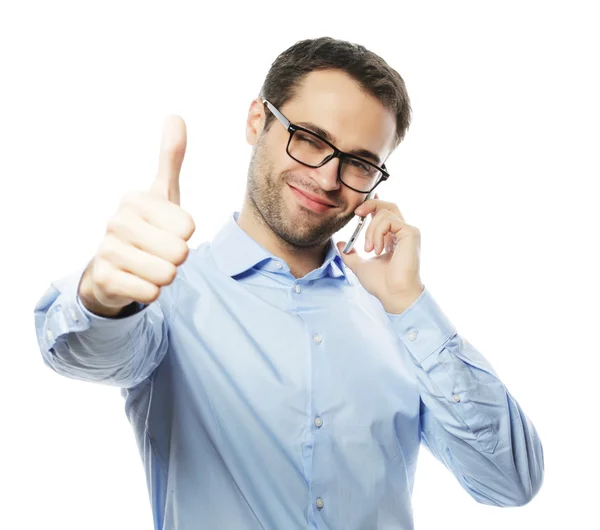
x=304 y=199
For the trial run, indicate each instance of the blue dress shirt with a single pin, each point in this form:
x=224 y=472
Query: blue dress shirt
x=262 y=401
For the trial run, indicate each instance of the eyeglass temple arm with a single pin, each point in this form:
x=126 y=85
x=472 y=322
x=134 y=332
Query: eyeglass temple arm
x=278 y=115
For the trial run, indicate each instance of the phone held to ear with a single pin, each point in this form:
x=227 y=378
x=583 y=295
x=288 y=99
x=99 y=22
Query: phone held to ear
x=361 y=224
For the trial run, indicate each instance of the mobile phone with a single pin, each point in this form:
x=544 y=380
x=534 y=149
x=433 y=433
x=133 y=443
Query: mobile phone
x=358 y=229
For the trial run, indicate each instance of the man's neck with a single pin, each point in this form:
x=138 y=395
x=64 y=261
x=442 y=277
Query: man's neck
x=301 y=261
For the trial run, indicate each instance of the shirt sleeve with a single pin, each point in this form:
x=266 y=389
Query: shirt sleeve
x=469 y=420
x=79 y=344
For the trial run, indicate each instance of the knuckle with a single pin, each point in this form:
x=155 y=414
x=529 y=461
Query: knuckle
x=109 y=248
x=120 y=222
x=123 y=225
x=181 y=254
x=103 y=251
x=115 y=222
x=153 y=292
x=188 y=226
x=169 y=273
x=148 y=294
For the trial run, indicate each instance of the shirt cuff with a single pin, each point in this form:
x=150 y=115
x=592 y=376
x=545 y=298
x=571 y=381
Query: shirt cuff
x=66 y=313
x=132 y=309
x=423 y=327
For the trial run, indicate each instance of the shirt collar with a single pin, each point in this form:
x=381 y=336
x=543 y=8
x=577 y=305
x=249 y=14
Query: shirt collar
x=236 y=252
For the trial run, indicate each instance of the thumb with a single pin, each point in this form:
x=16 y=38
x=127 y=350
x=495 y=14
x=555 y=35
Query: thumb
x=352 y=259
x=172 y=151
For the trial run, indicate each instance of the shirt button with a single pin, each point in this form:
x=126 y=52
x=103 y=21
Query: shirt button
x=49 y=334
x=297 y=288
x=318 y=422
x=279 y=265
x=317 y=338
x=320 y=503
x=456 y=397
x=73 y=315
x=412 y=335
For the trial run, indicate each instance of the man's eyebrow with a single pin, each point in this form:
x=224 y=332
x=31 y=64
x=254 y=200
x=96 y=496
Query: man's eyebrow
x=363 y=153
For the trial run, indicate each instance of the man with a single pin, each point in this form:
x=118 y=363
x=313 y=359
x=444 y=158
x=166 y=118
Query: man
x=273 y=381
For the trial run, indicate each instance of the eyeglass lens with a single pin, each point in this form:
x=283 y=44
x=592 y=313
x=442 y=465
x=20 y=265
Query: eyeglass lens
x=311 y=150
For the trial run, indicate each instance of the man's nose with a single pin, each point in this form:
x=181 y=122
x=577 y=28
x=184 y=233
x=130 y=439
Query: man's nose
x=326 y=176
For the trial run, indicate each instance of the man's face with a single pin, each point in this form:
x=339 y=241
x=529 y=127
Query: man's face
x=355 y=120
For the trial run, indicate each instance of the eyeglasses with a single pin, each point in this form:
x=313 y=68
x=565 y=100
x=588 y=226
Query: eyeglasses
x=312 y=150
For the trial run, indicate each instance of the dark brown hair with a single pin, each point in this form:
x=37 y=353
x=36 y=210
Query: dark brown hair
x=373 y=74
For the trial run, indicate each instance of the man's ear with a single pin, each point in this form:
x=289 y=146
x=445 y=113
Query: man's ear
x=256 y=121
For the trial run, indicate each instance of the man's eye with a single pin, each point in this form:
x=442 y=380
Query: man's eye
x=309 y=141
x=360 y=166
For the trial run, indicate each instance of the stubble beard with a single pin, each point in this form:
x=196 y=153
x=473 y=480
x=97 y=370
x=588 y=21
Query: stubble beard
x=298 y=229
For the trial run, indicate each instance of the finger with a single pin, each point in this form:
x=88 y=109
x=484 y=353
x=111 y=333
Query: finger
x=352 y=259
x=389 y=241
x=139 y=263
x=387 y=225
x=161 y=243
x=121 y=284
x=374 y=206
x=168 y=217
x=379 y=238
x=371 y=233
x=366 y=207
x=172 y=150
x=159 y=213
x=380 y=235
x=139 y=233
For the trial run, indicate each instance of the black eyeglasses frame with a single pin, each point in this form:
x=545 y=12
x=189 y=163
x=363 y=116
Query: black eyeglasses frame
x=292 y=128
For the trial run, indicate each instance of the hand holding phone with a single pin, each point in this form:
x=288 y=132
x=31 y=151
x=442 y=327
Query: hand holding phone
x=358 y=229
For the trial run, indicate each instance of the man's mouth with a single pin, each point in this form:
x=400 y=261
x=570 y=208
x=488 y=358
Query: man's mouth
x=306 y=201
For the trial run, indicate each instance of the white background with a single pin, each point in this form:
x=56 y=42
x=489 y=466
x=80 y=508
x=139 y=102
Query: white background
x=499 y=171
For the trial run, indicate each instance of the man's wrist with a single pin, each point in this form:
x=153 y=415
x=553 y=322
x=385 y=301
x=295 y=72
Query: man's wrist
x=399 y=303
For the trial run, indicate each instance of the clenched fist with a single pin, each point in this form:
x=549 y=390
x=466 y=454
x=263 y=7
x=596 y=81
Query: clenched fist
x=145 y=240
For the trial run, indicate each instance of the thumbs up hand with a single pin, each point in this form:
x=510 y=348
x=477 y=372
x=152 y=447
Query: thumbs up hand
x=145 y=240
